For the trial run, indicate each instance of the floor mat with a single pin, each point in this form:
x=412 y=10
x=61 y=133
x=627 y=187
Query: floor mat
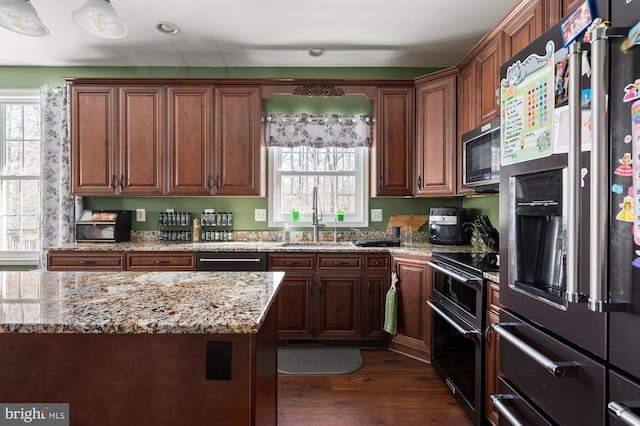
x=319 y=361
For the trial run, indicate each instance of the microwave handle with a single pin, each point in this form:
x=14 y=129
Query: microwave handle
x=572 y=293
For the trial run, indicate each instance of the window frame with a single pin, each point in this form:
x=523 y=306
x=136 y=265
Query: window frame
x=360 y=219
x=10 y=257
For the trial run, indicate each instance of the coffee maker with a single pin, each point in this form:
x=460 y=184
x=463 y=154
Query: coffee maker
x=446 y=226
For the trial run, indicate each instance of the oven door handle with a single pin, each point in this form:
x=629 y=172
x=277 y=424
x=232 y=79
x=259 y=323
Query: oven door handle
x=465 y=333
x=621 y=410
x=498 y=402
x=463 y=279
x=560 y=369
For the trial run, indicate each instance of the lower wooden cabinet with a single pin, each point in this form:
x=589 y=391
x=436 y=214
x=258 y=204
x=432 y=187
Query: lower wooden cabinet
x=492 y=359
x=330 y=296
x=121 y=261
x=414 y=316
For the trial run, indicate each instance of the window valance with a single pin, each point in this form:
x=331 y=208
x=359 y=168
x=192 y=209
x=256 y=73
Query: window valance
x=319 y=131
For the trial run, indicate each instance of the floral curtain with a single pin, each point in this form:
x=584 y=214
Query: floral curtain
x=59 y=207
x=319 y=131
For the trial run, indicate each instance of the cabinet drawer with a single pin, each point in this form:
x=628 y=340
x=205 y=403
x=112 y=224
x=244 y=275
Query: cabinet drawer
x=281 y=262
x=493 y=297
x=76 y=261
x=341 y=262
x=154 y=261
x=377 y=263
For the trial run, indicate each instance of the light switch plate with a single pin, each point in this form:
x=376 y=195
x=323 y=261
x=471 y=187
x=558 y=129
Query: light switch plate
x=260 y=215
x=376 y=215
x=141 y=215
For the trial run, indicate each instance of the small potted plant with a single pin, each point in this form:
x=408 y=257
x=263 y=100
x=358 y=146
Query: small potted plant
x=476 y=240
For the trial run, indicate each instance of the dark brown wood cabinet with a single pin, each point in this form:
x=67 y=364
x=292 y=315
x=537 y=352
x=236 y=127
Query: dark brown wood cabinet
x=436 y=161
x=393 y=162
x=414 y=315
x=524 y=28
x=154 y=261
x=323 y=296
x=93 y=140
x=189 y=139
x=141 y=136
x=85 y=261
x=238 y=141
x=492 y=359
x=487 y=63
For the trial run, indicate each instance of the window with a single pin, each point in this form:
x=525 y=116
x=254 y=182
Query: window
x=19 y=179
x=339 y=173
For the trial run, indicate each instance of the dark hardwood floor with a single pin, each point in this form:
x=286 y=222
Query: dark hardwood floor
x=391 y=389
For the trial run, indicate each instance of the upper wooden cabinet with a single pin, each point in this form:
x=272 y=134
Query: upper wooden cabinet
x=487 y=65
x=141 y=118
x=525 y=28
x=93 y=140
x=436 y=134
x=238 y=141
x=189 y=139
x=392 y=173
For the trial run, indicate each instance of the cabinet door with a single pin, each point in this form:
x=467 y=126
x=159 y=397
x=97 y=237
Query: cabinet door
x=436 y=136
x=238 y=153
x=93 y=143
x=374 y=305
x=523 y=29
x=492 y=352
x=392 y=174
x=339 y=305
x=466 y=115
x=141 y=139
x=189 y=139
x=296 y=307
x=414 y=316
x=488 y=63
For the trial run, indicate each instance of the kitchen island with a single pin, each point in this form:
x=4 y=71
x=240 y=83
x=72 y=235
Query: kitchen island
x=143 y=348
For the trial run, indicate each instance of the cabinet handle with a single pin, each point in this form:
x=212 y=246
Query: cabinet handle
x=320 y=286
x=419 y=182
x=380 y=182
x=87 y=262
x=369 y=286
x=217 y=181
x=291 y=263
x=159 y=262
x=338 y=263
x=497 y=401
x=113 y=182
x=210 y=182
x=311 y=289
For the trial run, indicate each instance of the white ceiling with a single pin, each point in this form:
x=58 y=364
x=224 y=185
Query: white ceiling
x=263 y=33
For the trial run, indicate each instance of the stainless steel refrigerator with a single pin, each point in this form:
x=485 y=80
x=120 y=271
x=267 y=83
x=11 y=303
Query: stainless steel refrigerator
x=570 y=226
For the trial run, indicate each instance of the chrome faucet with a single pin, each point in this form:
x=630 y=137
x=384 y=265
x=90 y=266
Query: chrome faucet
x=315 y=219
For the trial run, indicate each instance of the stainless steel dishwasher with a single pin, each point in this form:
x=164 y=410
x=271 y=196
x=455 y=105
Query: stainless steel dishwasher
x=231 y=261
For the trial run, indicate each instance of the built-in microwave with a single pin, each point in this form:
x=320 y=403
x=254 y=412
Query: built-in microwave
x=481 y=157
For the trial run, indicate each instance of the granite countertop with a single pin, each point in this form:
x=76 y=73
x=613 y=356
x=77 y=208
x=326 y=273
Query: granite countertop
x=416 y=249
x=136 y=302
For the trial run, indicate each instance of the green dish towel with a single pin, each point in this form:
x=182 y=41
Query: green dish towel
x=391 y=308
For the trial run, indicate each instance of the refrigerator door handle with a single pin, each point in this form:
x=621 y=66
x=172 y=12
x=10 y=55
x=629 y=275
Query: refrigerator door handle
x=559 y=369
x=572 y=293
x=621 y=410
x=598 y=229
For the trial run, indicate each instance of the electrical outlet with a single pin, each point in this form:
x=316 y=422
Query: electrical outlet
x=376 y=215
x=260 y=215
x=141 y=215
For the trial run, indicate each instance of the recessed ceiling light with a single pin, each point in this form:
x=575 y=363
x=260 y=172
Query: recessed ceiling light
x=317 y=51
x=168 y=28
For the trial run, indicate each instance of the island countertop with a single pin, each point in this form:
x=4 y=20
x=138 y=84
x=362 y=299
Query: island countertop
x=136 y=302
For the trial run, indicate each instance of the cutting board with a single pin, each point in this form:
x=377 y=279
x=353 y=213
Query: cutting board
x=415 y=221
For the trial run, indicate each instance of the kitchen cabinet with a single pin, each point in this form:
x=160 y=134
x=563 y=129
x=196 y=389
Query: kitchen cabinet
x=436 y=161
x=487 y=63
x=393 y=148
x=524 y=28
x=189 y=139
x=140 y=149
x=492 y=360
x=414 y=315
x=120 y=261
x=239 y=154
x=323 y=296
x=93 y=140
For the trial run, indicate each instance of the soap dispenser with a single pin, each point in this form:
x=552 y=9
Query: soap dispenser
x=286 y=234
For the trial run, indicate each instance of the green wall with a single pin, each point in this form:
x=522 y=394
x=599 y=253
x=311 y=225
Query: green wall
x=243 y=207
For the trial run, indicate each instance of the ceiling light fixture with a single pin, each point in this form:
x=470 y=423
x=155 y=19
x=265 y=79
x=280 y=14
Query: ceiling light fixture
x=168 y=28
x=317 y=51
x=99 y=18
x=21 y=17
